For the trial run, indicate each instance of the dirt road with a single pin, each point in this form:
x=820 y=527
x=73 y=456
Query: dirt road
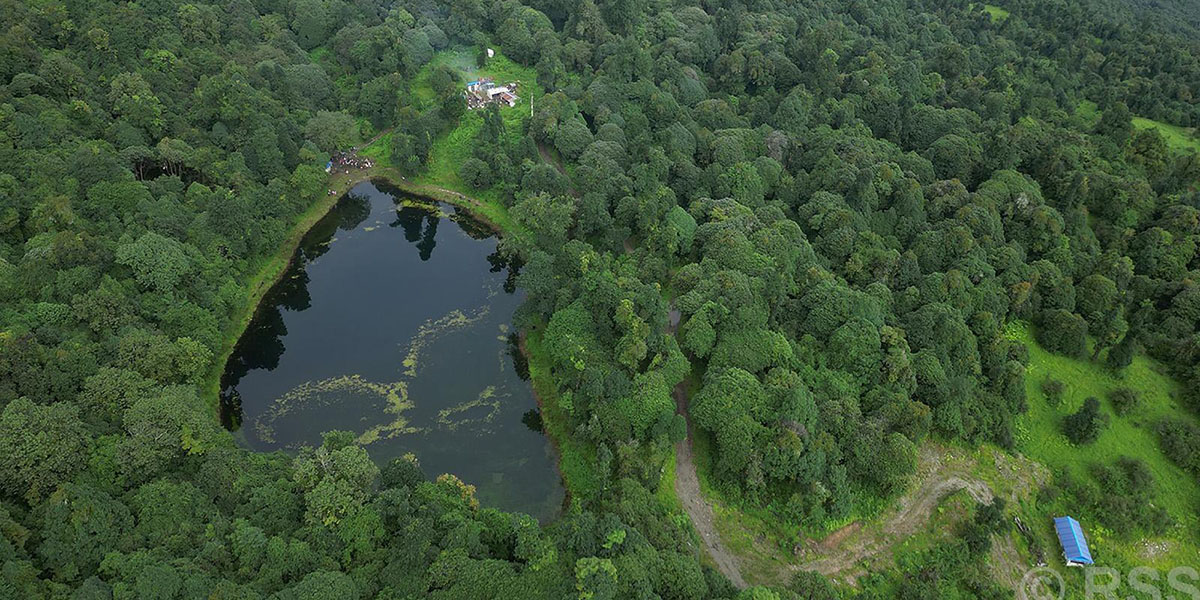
x=687 y=488
x=842 y=551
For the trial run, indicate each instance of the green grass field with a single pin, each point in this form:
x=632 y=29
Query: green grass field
x=1039 y=436
x=998 y=14
x=1177 y=138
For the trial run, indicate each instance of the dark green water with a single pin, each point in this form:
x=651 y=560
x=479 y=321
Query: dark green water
x=394 y=322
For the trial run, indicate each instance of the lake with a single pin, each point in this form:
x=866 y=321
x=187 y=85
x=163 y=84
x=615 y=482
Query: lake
x=394 y=322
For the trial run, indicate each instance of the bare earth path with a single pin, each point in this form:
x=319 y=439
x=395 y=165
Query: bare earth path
x=687 y=488
x=842 y=551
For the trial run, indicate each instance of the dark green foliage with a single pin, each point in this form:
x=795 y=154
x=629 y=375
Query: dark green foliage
x=810 y=585
x=476 y=173
x=43 y=446
x=1121 y=355
x=846 y=203
x=989 y=519
x=1084 y=425
x=1180 y=441
x=1063 y=332
x=1053 y=389
x=1124 y=497
x=1124 y=401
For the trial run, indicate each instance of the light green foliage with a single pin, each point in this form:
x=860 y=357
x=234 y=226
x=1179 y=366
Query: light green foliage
x=336 y=478
x=725 y=395
x=595 y=578
x=331 y=131
x=42 y=446
x=162 y=429
x=322 y=585
x=649 y=402
x=159 y=263
x=698 y=333
x=132 y=98
x=751 y=349
x=631 y=348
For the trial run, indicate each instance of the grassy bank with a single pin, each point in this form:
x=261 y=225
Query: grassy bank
x=265 y=276
x=576 y=458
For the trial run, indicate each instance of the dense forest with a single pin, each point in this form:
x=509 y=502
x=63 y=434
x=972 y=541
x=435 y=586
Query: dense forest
x=847 y=203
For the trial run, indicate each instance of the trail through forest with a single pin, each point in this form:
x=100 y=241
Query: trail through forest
x=558 y=166
x=687 y=486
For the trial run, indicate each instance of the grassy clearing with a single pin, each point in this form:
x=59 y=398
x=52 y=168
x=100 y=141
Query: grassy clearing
x=757 y=538
x=763 y=541
x=666 y=486
x=1181 y=139
x=318 y=54
x=1087 y=114
x=997 y=13
x=1039 y=436
x=1177 y=138
x=576 y=458
x=452 y=148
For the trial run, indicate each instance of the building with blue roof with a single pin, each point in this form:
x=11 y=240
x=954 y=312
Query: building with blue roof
x=1074 y=545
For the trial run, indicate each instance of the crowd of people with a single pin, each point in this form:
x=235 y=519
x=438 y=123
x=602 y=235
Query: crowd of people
x=345 y=160
x=349 y=159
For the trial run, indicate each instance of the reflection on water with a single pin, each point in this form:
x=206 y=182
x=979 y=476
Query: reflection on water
x=374 y=332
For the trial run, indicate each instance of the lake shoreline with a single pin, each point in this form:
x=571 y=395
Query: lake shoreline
x=277 y=266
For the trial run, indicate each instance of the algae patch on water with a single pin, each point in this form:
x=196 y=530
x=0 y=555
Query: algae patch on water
x=392 y=398
x=479 y=411
x=431 y=329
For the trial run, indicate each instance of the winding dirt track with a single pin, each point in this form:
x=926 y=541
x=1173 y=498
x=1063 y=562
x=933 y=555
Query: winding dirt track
x=842 y=551
x=687 y=488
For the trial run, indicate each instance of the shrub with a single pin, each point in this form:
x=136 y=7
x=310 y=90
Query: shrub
x=1053 y=390
x=1124 y=400
x=1085 y=425
x=475 y=173
x=1180 y=441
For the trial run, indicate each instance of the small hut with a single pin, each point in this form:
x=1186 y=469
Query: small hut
x=1074 y=545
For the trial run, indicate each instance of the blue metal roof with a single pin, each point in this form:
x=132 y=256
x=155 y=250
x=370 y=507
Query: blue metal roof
x=1074 y=545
